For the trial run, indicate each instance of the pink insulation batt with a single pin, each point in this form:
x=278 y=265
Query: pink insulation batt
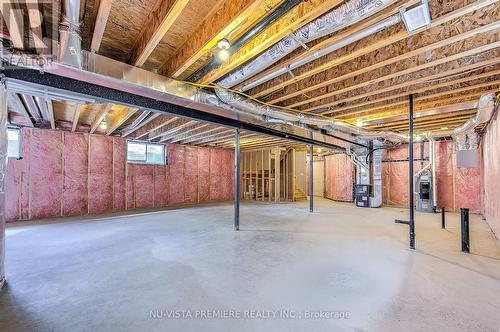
x=46 y=173
x=338 y=177
x=75 y=174
x=52 y=178
x=101 y=174
x=491 y=173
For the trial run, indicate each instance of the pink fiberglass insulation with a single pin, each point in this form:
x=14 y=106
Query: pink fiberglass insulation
x=101 y=174
x=191 y=174
x=75 y=174
x=468 y=189
x=226 y=164
x=204 y=174
x=46 y=173
x=215 y=174
x=160 y=186
x=13 y=177
x=119 y=164
x=25 y=184
x=491 y=173
x=338 y=177
x=176 y=162
x=444 y=175
x=142 y=178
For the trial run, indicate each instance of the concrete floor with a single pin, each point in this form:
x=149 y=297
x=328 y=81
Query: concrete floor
x=109 y=274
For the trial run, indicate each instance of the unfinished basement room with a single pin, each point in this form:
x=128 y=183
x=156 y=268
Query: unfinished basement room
x=250 y=165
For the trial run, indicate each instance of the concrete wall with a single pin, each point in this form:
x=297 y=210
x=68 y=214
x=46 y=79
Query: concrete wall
x=338 y=177
x=491 y=174
x=456 y=187
x=66 y=174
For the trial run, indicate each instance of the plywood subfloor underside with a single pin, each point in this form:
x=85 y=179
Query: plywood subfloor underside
x=108 y=274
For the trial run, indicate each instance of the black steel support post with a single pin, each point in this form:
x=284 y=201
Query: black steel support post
x=410 y=175
x=443 y=220
x=237 y=180
x=464 y=223
x=311 y=178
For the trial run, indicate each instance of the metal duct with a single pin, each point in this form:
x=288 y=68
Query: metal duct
x=465 y=136
x=301 y=119
x=341 y=17
x=388 y=22
x=3 y=169
x=70 y=40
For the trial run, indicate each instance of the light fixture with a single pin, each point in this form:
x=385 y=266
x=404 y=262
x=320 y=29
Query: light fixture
x=223 y=55
x=417 y=17
x=319 y=150
x=360 y=123
x=418 y=138
x=222 y=49
x=223 y=44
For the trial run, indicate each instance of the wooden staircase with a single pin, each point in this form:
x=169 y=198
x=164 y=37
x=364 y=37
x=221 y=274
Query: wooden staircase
x=299 y=194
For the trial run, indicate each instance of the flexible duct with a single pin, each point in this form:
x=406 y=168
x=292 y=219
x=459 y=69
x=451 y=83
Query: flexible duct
x=301 y=119
x=341 y=17
x=70 y=40
x=465 y=136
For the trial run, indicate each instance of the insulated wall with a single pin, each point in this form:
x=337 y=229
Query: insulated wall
x=66 y=174
x=491 y=174
x=338 y=177
x=457 y=187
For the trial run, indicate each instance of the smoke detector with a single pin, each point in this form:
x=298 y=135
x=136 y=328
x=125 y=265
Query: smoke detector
x=417 y=17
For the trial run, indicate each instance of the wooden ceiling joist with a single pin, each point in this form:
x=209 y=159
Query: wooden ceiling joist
x=407 y=84
x=407 y=71
x=333 y=39
x=155 y=125
x=203 y=135
x=378 y=44
x=215 y=27
x=76 y=117
x=165 y=135
x=19 y=108
x=101 y=114
x=488 y=28
x=14 y=20
x=196 y=133
x=100 y=24
x=158 y=23
x=141 y=124
x=393 y=109
x=297 y=17
x=120 y=119
x=340 y=113
x=185 y=132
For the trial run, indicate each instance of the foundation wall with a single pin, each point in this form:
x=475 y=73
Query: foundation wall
x=68 y=174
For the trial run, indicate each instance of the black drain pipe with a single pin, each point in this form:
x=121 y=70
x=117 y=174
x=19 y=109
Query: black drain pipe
x=246 y=37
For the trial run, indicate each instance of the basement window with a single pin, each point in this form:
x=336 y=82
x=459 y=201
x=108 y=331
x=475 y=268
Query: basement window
x=14 y=143
x=146 y=153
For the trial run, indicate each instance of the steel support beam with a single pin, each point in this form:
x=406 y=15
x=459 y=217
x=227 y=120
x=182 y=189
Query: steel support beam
x=237 y=180
x=311 y=178
x=107 y=94
x=3 y=169
x=411 y=190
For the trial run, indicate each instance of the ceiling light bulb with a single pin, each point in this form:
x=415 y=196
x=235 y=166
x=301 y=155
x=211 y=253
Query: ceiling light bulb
x=223 y=55
x=359 y=123
x=223 y=44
